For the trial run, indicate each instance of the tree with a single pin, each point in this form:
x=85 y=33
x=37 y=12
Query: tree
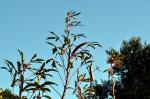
x=108 y=88
x=134 y=73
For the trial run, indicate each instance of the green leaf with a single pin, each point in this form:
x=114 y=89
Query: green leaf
x=5 y=68
x=53 y=64
x=51 y=44
x=38 y=60
x=78 y=47
x=88 y=62
x=46 y=96
x=47 y=61
x=105 y=71
x=34 y=56
x=81 y=77
x=96 y=44
x=51 y=38
x=31 y=85
x=54 y=50
x=14 y=80
x=21 y=78
x=42 y=67
x=45 y=89
x=11 y=64
x=48 y=83
x=76 y=14
x=86 y=80
x=90 y=45
x=48 y=70
x=19 y=67
x=22 y=81
x=21 y=55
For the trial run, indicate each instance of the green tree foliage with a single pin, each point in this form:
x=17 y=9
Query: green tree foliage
x=134 y=74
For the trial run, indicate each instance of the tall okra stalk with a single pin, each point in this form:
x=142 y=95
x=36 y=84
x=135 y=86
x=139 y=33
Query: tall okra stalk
x=67 y=51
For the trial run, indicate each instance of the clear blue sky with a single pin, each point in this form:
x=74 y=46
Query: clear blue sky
x=24 y=24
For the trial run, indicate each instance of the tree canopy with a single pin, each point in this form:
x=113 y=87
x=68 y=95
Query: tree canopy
x=134 y=75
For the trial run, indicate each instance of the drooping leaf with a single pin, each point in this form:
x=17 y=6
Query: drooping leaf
x=78 y=47
x=34 y=56
x=29 y=85
x=48 y=70
x=38 y=60
x=48 y=83
x=5 y=68
x=46 y=96
x=96 y=44
x=14 y=80
x=51 y=44
x=47 y=61
x=11 y=64
x=75 y=36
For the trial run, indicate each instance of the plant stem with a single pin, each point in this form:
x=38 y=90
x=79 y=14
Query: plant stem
x=66 y=83
x=20 y=93
x=113 y=84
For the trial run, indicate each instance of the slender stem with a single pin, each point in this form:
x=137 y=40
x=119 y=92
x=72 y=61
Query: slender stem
x=31 y=95
x=62 y=59
x=56 y=91
x=67 y=76
x=20 y=92
x=113 y=83
x=75 y=72
x=66 y=83
x=60 y=76
x=113 y=88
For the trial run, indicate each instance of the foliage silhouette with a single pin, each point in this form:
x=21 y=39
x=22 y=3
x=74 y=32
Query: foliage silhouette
x=29 y=79
x=67 y=53
x=134 y=74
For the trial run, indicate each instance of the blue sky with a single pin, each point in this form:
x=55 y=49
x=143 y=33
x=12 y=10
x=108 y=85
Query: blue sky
x=24 y=24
